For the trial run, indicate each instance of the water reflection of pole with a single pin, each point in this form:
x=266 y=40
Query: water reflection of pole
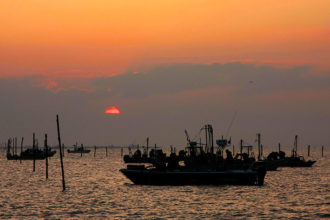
x=61 y=156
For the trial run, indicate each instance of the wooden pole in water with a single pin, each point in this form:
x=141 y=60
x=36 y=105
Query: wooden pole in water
x=8 y=147
x=15 y=145
x=308 y=150
x=13 y=142
x=46 y=151
x=322 y=150
x=34 y=153
x=94 y=151
x=262 y=150
x=61 y=155
x=241 y=146
x=106 y=151
x=259 y=148
x=121 y=152
x=82 y=147
x=233 y=150
x=20 y=158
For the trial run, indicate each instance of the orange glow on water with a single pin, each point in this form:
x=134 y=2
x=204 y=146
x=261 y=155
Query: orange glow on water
x=112 y=110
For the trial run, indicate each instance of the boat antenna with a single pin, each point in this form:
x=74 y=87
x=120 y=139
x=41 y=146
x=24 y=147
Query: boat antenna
x=231 y=123
x=187 y=135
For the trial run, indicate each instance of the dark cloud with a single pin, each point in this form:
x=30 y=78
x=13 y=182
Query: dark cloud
x=163 y=101
x=177 y=78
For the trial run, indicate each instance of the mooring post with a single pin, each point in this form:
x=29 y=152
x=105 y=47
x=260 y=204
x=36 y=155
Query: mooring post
x=13 y=150
x=94 y=151
x=46 y=151
x=121 y=152
x=61 y=156
x=241 y=147
x=16 y=146
x=322 y=151
x=82 y=148
x=308 y=149
x=262 y=150
x=233 y=150
x=106 y=151
x=20 y=158
x=34 y=153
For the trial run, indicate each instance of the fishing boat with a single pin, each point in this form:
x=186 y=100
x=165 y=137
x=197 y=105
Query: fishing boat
x=80 y=150
x=271 y=165
x=293 y=161
x=198 y=164
x=28 y=154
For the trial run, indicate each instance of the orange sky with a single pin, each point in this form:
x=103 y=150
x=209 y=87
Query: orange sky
x=86 y=38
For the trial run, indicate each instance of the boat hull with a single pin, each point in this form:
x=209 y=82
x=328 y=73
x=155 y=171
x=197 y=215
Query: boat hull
x=25 y=156
x=178 y=177
x=79 y=151
x=295 y=163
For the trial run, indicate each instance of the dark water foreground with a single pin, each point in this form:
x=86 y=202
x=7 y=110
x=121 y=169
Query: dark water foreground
x=96 y=189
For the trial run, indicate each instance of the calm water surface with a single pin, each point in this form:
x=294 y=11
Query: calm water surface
x=96 y=189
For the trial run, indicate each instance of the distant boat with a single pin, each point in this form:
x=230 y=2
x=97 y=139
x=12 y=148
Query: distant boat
x=79 y=150
x=29 y=154
x=293 y=161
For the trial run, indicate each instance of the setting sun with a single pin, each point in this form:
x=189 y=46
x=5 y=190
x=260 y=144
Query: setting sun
x=112 y=110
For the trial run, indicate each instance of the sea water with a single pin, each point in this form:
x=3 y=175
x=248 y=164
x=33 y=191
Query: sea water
x=96 y=189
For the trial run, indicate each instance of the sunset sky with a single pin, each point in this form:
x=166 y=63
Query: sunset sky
x=168 y=66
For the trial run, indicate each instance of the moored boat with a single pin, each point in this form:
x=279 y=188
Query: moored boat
x=197 y=165
x=293 y=161
x=30 y=154
x=79 y=150
x=155 y=176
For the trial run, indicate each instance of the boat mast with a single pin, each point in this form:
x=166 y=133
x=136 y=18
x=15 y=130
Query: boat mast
x=206 y=143
x=259 y=148
x=295 y=145
x=211 y=138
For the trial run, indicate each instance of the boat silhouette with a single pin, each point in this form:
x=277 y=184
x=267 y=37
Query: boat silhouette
x=80 y=150
x=199 y=164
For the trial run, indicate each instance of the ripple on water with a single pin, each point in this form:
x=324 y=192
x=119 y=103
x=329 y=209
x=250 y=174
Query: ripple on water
x=96 y=189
